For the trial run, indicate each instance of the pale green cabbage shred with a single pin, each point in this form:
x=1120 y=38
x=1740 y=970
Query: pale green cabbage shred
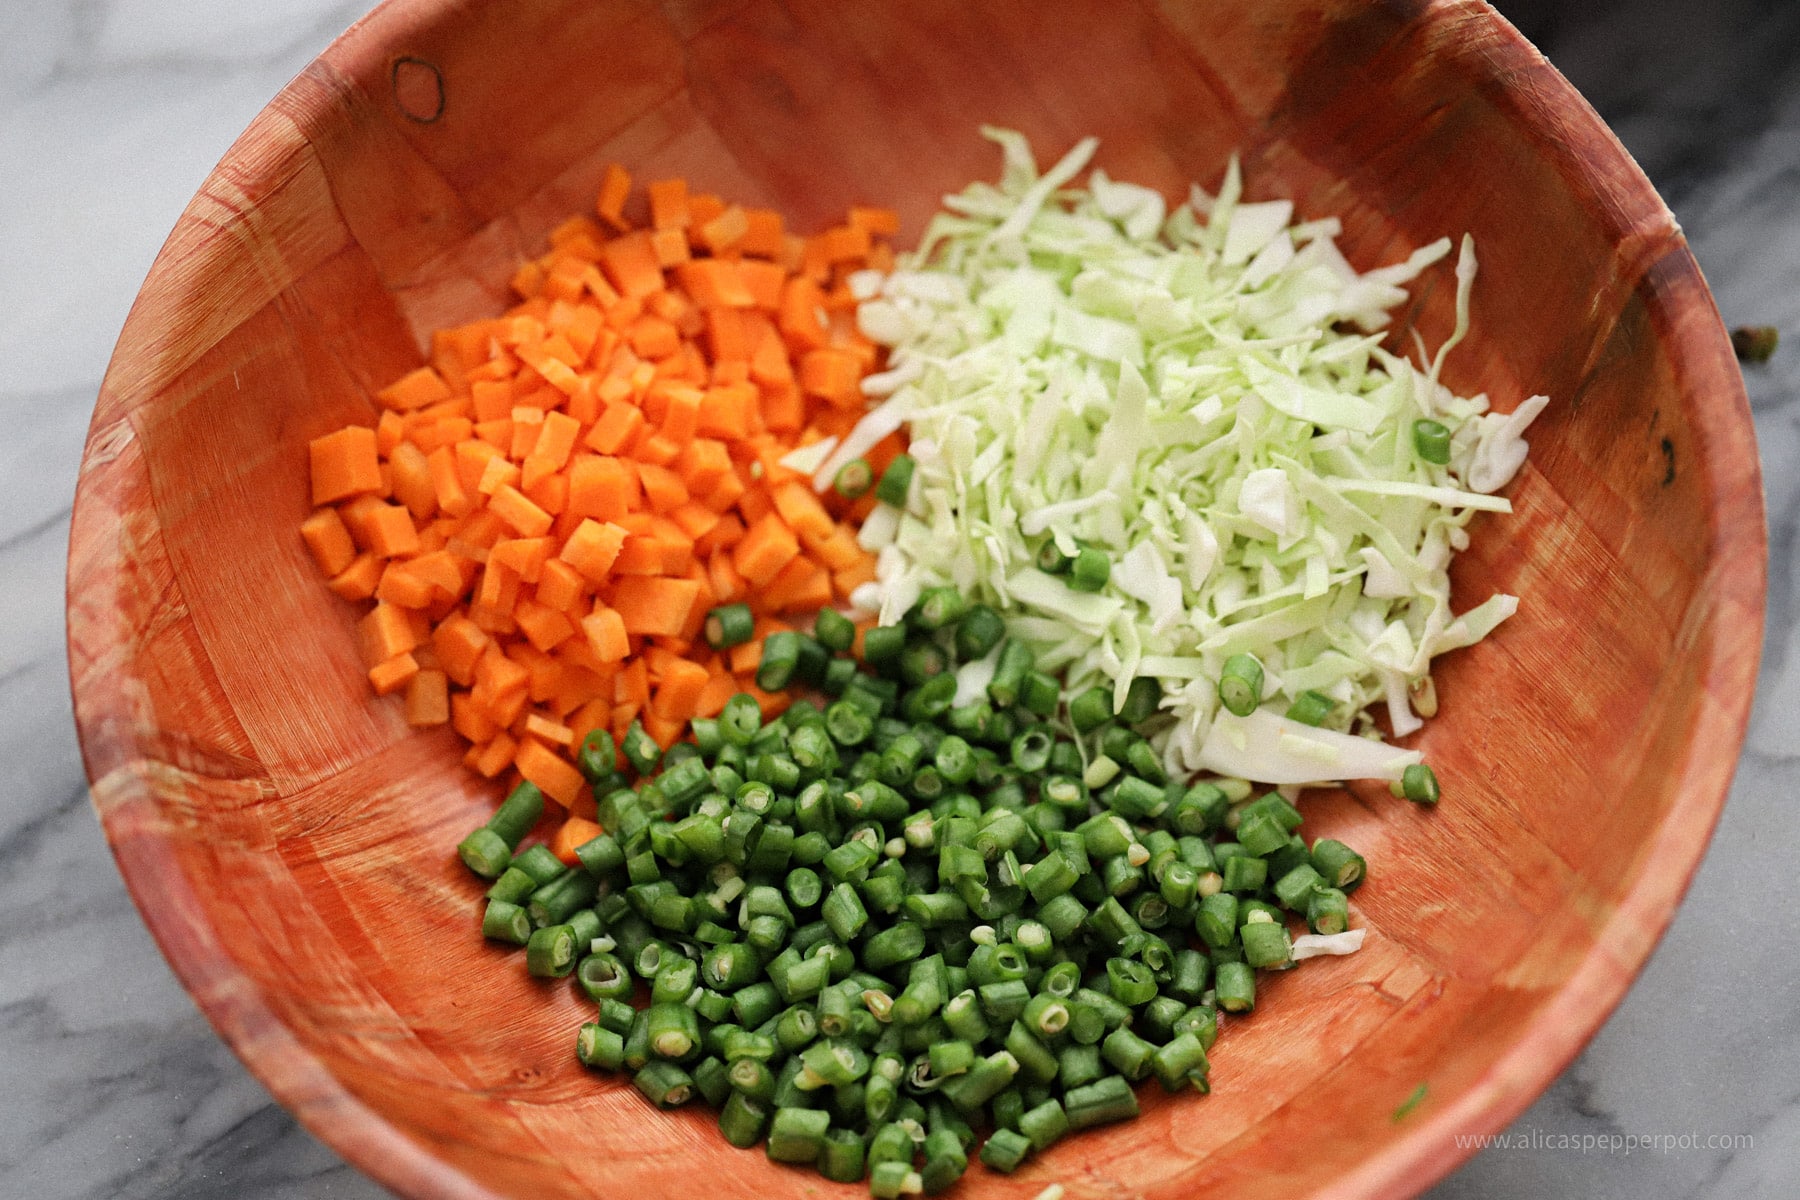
x=1178 y=388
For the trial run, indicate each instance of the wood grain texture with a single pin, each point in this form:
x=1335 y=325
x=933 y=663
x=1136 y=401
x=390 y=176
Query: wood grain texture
x=289 y=841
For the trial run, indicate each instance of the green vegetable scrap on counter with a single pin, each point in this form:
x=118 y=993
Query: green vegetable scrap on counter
x=912 y=927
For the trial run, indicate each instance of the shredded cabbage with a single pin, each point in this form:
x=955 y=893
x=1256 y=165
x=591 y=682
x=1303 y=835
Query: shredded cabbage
x=1203 y=393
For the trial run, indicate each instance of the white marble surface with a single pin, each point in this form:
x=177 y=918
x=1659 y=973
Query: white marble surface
x=112 y=112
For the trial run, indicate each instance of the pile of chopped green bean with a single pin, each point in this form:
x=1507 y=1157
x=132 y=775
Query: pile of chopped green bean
x=869 y=930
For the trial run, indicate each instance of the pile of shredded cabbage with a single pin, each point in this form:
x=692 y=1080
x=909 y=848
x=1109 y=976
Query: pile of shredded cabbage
x=1203 y=394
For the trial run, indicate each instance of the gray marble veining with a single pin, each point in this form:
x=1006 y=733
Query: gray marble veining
x=111 y=113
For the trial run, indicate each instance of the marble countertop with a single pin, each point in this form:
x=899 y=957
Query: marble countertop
x=111 y=114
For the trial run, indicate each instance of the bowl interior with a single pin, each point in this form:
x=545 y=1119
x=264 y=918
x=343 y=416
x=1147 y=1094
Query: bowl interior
x=290 y=841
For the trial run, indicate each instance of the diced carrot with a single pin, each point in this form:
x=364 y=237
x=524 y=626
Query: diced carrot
x=799 y=506
x=801 y=585
x=385 y=632
x=560 y=585
x=344 y=464
x=593 y=549
x=606 y=634
x=632 y=685
x=553 y=775
x=837 y=550
x=714 y=283
x=696 y=520
x=764 y=551
x=762 y=233
x=728 y=586
x=554 y=733
x=523 y=555
x=415 y=389
x=358 y=580
x=801 y=317
x=641 y=555
x=663 y=488
x=401 y=588
x=773 y=704
x=470 y=719
x=328 y=540
x=654 y=605
x=882 y=221
x=428 y=699
x=570 y=834
x=831 y=375
x=496 y=756
x=615 y=186
x=664 y=731
x=546 y=627
x=458 y=643
x=847 y=579
x=668 y=203
x=618 y=424
x=629 y=263
x=670 y=247
x=390 y=676
x=511 y=506
x=720 y=687
x=783 y=407
x=678 y=693
x=549 y=507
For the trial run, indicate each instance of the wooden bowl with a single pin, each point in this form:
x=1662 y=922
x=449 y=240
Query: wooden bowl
x=289 y=840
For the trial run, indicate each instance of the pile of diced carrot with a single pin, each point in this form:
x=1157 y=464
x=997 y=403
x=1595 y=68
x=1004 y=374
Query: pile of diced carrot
x=545 y=513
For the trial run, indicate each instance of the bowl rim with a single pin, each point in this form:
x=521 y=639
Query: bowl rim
x=233 y=1004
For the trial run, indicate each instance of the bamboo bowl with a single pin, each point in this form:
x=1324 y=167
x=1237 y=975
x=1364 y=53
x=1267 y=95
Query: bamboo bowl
x=290 y=842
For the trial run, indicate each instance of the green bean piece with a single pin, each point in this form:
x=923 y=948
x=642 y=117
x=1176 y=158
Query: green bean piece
x=1016 y=662
x=1241 y=684
x=841 y=1156
x=742 y=1120
x=1234 y=983
x=1105 y=1100
x=513 y=887
x=1040 y=694
x=780 y=660
x=853 y=479
x=597 y=760
x=1419 y=783
x=834 y=631
x=1311 y=708
x=1245 y=874
x=1181 y=1063
x=1005 y=1150
x=939 y=608
x=1296 y=887
x=891 y=1180
x=1432 y=440
x=895 y=481
x=503 y=921
x=729 y=625
x=922 y=660
x=1338 y=864
x=1050 y=559
x=550 y=952
x=1091 y=709
x=1327 y=911
x=797 y=1135
x=597 y=1046
x=979 y=631
x=883 y=645
x=1266 y=944
x=1090 y=570
x=664 y=1084
x=945 y=1161
x=1143 y=697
